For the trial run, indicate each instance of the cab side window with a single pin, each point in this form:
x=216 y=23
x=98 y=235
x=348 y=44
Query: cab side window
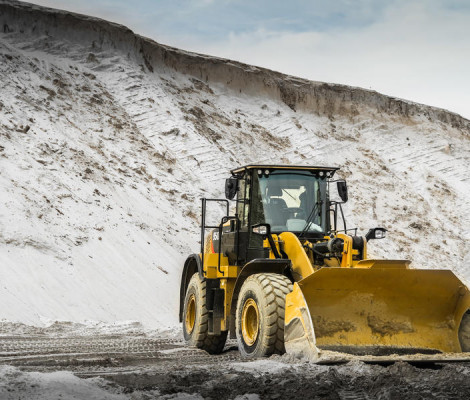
x=242 y=208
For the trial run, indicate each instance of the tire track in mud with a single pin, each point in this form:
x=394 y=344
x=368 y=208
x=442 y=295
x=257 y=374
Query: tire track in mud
x=101 y=350
x=148 y=365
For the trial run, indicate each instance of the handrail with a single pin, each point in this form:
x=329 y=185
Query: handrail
x=204 y=226
x=222 y=222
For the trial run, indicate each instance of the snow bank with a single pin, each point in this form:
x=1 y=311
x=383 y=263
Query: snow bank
x=108 y=140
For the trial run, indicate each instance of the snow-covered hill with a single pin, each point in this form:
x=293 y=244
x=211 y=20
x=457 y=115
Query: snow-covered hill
x=108 y=140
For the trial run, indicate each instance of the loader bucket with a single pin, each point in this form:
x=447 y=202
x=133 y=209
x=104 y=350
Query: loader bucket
x=375 y=311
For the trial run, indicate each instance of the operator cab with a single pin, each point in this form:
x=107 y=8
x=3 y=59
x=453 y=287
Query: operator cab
x=288 y=198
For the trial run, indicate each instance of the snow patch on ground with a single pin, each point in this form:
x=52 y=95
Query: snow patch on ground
x=16 y=384
x=57 y=329
x=261 y=366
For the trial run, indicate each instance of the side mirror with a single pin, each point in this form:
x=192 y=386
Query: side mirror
x=261 y=229
x=231 y=187
x=376 y=233
x=342 y=190
x=264 y=230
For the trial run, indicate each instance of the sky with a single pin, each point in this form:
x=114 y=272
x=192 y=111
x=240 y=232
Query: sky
x=417 y=50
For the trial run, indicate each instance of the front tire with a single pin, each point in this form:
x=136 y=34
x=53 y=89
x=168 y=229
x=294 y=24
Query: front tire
x=260 y=315
x=196 y=319
x=464 y=332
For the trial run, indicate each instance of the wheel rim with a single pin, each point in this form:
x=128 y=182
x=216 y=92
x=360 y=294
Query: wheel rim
x=190 y=317
x=250 y=322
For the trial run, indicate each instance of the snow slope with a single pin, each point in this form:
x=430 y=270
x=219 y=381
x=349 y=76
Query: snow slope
x=108 y=140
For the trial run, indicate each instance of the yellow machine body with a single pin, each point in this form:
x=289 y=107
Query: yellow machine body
x=347 y=302
x=373 y=307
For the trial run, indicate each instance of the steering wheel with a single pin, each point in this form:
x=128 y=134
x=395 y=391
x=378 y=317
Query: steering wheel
x=296 y=210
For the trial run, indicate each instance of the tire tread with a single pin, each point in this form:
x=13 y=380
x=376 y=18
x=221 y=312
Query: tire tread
x=274 y=288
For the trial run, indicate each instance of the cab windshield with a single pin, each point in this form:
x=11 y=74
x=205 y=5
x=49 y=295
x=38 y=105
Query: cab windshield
x=287 y=200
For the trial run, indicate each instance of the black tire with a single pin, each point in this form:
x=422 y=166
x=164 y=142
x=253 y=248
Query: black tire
x=198 y=336
x=268 y=291
x=464 y=332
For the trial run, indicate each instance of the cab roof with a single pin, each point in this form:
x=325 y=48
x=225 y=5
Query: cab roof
x=239 y=170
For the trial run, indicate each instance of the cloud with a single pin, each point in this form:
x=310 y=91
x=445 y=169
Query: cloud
x=417 y=50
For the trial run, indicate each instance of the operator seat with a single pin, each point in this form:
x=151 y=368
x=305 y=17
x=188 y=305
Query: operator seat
x=276 y=209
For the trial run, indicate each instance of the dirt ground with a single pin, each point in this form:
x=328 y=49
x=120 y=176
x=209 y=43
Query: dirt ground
x=140 y=366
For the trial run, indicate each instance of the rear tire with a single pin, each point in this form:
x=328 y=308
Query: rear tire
x=260 y=315
x=196 y=319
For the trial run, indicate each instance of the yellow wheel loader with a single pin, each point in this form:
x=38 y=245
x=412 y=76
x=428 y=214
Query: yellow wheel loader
x=282 y=274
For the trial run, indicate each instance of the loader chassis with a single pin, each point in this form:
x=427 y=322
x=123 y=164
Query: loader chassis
x=281 y=261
